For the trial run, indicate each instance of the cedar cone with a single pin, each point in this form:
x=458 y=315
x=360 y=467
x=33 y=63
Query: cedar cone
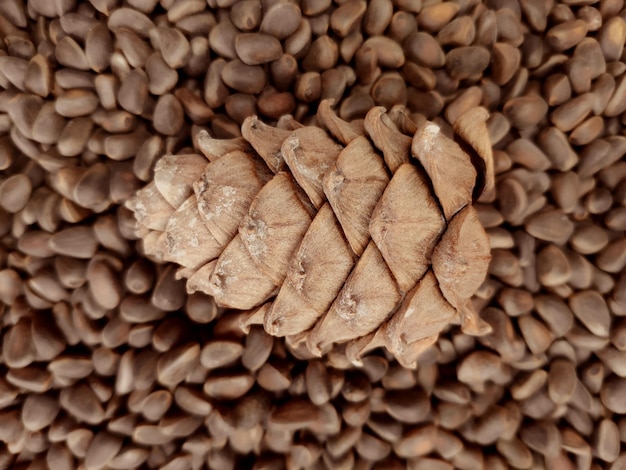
x=323 y=240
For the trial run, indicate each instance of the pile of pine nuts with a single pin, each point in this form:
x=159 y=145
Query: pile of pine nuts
x=107 y=362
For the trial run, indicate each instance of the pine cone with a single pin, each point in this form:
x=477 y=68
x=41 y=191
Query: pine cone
x=320 y=238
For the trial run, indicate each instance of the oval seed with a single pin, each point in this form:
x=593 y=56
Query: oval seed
x=228 y=386
x=104 y=285
x=589 y=239
x=550 y=225
x=557 y=89
x=459 y=32
x=466 y=62
x=244 y=78
x=133 y=92
x=542 y=437
x=70 y=54
x=607 y=441
x=23 y=111
x=275 y=105
x=72 y=367
x=566 y=35
x=257 y=350
x=613 y=394
x=377 y=17
x=434 y=17
x=76 y=242
x=156 y=404
x=99 y=47
x=103 y=448
x=402 y=26
x=322 y=55
x=537 y=336
x=134 y=51
x=388 y=52
x=553 y=267
x=222 y=40
x=567 y=116
x=217 y=354
x=15 y=192
x=424 y=50
x=346 y=18
x=82 y=403
x=526 y=111
x=176 y=364
x=131 y=18
x=168 y=115
x=281 y=20
x=257 y=49
x=389 y=90
x=16 y=347
x=611 y=37
x=161 y=77
x=505 y=62
x=10 y=286
x=76 y=103
x=246 y=15
x=591 y=309
x=174 y=46
x=75 y=136
x=92 y=188
x=561 y=381
x=612 y=259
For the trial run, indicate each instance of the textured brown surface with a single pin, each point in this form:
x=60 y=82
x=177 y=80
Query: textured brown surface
x=106 y=362
x=341 y=245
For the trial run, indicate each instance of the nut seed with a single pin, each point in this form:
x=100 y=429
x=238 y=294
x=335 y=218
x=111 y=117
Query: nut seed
x=467 y=62
x=168 y=115
x=249 y=79
x=322 y=55
x=526 y=111
x=590 y=308
x=257 y=49
x=611 y=37
x=346 y=18
x=424 y=50
x=566 y=35
x=75 y=103
x=433 y=17
x=281 y=20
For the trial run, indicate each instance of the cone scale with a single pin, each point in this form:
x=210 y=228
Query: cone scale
x=352 y=233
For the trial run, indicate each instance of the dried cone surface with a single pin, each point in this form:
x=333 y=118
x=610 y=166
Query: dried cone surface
x=337 y=233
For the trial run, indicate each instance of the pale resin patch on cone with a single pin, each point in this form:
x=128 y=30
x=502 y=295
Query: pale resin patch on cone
x=334 y=234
